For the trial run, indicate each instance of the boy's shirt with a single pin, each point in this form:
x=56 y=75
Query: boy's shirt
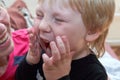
x=21 y=45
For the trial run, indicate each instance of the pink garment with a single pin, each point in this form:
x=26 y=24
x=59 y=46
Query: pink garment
x=21 y=46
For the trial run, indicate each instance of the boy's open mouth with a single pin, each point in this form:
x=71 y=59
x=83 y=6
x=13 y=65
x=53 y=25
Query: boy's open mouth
x=45 y=45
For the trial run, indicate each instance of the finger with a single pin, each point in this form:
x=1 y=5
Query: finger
x=33 y=44
x=61 y=45
x=67 y=44
x=55 y=51
x=32 y=38
x=33 y=30
x=31 y=50
x=29 y=30
x=34 y=49
x=36 y=30
x=36 y=25
x=46 y=60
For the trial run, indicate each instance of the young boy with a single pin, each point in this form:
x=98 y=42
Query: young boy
x=13 y=46
x=69 y=31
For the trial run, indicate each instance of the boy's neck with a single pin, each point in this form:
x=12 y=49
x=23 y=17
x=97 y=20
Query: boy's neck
x=82 y=54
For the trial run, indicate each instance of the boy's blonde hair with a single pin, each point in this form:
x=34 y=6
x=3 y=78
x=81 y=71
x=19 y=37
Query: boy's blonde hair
x=97 y=16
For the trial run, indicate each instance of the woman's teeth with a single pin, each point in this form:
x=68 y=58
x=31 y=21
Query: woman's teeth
x=3 y=39
x=3 y=34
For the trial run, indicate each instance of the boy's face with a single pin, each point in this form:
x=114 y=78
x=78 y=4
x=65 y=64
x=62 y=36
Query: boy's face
x=6 y=44
x=58 y=20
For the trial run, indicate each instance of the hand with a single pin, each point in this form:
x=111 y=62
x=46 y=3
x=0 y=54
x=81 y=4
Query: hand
x=34 y=53
x=59 y=64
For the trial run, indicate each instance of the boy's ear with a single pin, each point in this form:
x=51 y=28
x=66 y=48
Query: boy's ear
x=92 y=36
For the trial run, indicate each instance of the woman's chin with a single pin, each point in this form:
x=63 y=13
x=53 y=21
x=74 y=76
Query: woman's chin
x=3 y=70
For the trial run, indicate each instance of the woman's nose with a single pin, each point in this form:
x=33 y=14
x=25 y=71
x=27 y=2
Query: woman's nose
x=44 y=26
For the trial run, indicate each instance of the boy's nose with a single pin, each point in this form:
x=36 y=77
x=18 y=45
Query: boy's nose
x=44 y=26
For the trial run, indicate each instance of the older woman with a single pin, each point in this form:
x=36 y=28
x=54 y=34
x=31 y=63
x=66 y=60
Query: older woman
x=10 y=47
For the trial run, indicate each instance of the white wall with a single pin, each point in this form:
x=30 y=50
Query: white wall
x=114 y=33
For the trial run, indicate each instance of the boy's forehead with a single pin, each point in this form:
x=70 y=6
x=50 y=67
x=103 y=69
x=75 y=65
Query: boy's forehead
x=54 y=3
x=51 y=2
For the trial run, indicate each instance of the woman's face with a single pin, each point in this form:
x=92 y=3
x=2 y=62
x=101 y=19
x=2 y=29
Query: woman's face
x=59 y=19
x=6 y=43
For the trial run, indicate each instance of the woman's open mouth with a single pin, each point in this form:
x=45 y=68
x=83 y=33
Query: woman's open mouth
x=3 y=35
x=5 y=43
x=4 y=40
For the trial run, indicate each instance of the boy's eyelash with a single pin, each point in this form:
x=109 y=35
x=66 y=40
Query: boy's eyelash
x=59 y=19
